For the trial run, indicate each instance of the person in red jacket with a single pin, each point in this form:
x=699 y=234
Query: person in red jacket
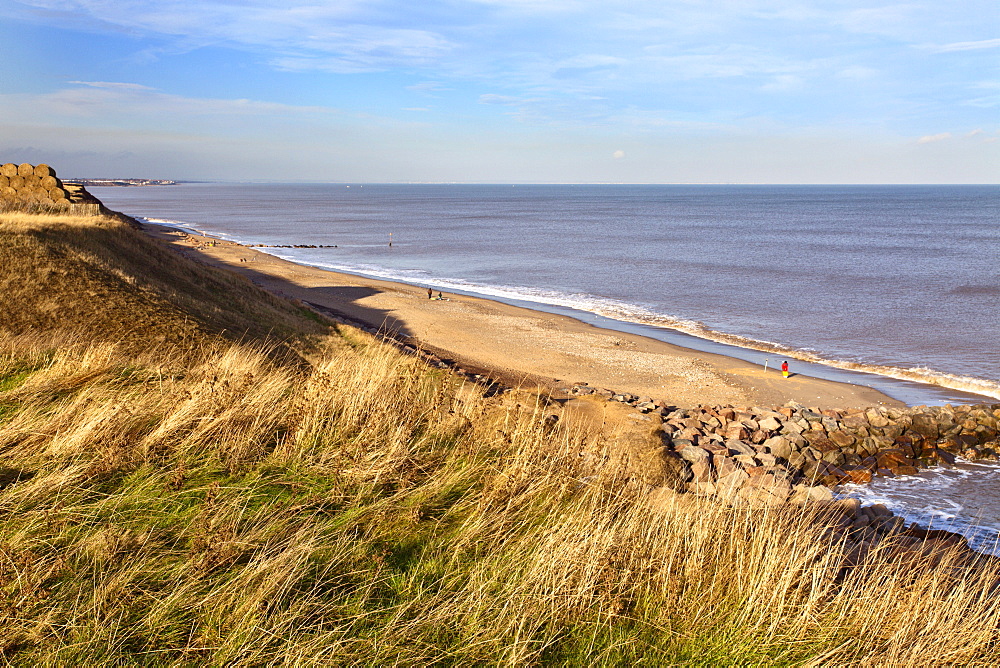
x=784 y=368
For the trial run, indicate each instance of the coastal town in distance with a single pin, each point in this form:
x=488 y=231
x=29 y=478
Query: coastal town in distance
x=105 y=183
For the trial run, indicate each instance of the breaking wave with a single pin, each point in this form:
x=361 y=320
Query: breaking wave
x=624 y=312
x=961 y=500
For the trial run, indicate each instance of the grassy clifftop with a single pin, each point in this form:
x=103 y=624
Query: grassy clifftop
x=100 y=279
x=231 y=506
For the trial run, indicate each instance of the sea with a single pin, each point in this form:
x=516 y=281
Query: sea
x=895 y=287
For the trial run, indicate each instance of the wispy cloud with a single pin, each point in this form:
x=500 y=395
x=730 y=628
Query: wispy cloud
x=728 y=61
x=889 y=20
x=783 y=82
x=930 y=139
x=964 y=46
x=428 y=87
x=630 y=71
x=505 y=100
x=990 y=99
x=343 y=36
x=857 y=73
x=125 y=103
x=112 y=85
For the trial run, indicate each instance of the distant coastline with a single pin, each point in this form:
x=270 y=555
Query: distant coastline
x=124 y=183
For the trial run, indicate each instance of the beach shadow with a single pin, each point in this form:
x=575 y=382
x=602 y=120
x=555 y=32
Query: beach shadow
x=339 y=301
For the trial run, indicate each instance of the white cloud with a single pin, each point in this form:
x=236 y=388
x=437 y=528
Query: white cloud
x=428 y=87
x=127 y=104
x=984 y=102
x=337 y=36
x=986 y=138
x=857 y=73
x=729 y=61
x=929 y=139
x=892 y=20
x=506 y=100
x=631 y=71
x=113 y=85
x=585 y=64
x=783 y=82
x=964 y=46
x=618 y=155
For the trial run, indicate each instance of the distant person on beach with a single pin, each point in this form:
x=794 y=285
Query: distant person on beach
x=430 y=293
x=784 y=368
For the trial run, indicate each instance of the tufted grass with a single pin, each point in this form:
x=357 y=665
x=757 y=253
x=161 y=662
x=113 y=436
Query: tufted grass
x=370 y=510
x=229 y=506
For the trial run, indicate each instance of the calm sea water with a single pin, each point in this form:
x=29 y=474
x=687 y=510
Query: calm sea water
x=897 y=287
x=901 y=281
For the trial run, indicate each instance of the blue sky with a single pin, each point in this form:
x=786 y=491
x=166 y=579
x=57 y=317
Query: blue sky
x=749 y=91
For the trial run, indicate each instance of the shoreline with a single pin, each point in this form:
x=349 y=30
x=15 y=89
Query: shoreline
x=868 y=340
x=520 y=345
x=729 y=380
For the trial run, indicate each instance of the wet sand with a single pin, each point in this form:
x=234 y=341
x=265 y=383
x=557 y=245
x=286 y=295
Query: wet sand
x=522 y=346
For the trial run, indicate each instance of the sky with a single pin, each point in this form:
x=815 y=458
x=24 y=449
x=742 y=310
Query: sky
x=504 y=91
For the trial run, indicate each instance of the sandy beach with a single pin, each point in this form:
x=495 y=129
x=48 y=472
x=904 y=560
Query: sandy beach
x=522 y=346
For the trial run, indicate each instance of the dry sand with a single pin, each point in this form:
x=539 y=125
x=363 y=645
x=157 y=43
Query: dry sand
x=522 y=346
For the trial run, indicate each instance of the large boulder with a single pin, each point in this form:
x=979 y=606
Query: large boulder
x=810 y=416
x=767 y=459
x=724 y=466
x=793 y=427
x=876 y=419
x=693 y=453
x=765 y=490
x=835 y=457
x=736 y=432
x=769 y=424
x=842 y=439
x=891 y=457
x=779 y=446
x=701 y=471
x=740 y=448
x=727 y=487
x=810 y=493
x=855 y=421
x=859 y=476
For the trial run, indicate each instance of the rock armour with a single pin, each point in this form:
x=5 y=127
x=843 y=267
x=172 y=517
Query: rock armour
x=760 y=457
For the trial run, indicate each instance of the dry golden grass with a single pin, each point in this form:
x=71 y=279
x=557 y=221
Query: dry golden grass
x=229 y=507
x=94 y=278
x=371 y=511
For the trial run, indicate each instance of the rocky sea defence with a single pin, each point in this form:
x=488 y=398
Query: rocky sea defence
x=791 y=455
x=796 y=454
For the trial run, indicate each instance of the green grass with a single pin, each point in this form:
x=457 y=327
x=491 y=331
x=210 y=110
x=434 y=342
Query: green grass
x=10 y=380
